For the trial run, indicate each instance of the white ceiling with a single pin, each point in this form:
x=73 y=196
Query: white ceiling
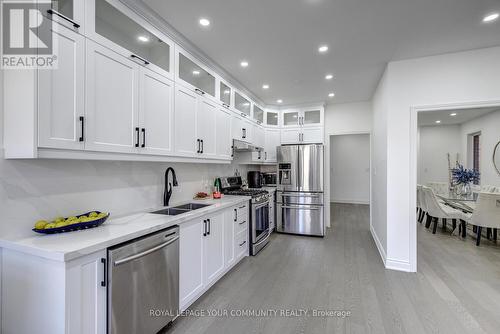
x=280 y=38
x=429 y=118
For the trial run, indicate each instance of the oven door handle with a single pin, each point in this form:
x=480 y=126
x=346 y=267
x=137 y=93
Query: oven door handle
x=146 y=252
x=258 y=206
x=300 y=207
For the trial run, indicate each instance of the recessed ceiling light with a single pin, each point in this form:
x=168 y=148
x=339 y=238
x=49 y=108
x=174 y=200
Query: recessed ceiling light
x=279 y=101
x=453 y=114
x=265 y=86
x=329 y=77
x=204 y=22
x=491 y=17
x=196 y=72
x=244 y=63
x=143 y=38
x=438 y=122
x=323 y=48
x=331 y=95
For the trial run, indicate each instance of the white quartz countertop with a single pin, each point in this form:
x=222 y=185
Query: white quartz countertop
x=71 y=245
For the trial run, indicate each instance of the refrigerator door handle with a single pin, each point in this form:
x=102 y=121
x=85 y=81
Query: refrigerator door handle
x=301 y=195
x=301 y=207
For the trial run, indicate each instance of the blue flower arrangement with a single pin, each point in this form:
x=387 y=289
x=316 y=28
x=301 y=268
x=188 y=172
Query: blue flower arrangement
x=463 y=175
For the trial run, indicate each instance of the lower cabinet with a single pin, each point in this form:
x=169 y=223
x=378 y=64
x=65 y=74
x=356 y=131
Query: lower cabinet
x=63 y=297
x=209 y=247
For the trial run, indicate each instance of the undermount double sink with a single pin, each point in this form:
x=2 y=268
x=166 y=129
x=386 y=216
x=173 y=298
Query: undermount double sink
x=180 y=209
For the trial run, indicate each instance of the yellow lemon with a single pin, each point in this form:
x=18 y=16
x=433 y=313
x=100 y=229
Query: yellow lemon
x=59 y=219
x=93 y=214
x=50 y=225
x=72 y=218
x=40 y=224
x=61 y=224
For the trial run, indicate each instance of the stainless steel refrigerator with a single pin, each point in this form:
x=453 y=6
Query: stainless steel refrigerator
x=300 y=207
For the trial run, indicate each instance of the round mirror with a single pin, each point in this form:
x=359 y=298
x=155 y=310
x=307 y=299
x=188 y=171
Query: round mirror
x=496 y=157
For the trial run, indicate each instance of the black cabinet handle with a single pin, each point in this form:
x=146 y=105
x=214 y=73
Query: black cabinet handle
x=244 y=242
x=258 y=157
x=199 y=91
x=204 y=228
x=137 y=133
x=202 y=146
x=199 y=149
x=225 y=106
x=244 y=133
x=235 y=215
x=105 y=272
x=140 y=58
x=243 y=222
x=265 y=155
x=209 y=227
x=82 y=123
x=64 y=17
x=143 y=137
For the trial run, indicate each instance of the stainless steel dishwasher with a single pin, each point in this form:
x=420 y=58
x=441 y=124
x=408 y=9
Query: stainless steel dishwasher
x=143 y=277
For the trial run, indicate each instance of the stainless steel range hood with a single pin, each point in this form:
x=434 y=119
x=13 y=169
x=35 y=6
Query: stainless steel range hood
x=243 y=146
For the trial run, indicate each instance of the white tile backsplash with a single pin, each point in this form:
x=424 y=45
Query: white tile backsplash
x=43 y=189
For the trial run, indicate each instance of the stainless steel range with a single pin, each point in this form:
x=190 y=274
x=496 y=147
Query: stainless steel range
x=259 y=230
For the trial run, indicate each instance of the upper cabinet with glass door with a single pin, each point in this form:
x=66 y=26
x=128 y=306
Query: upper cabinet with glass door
x=225 y=94
x=271 y=118
x=312 y=116
x=70 y=13
x=113 y=25
x=194 y=75
x=291 y=117
x=242 y=104
x=258 y=114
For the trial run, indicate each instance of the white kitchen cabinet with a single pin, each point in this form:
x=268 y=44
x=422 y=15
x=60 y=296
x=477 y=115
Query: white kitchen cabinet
x=63 y=297
x=61 y=95
x=230 y=220
x=312 y=135
x=194 y=75
x=272 y=118
x=208 y=250
x=242 y=104
x=291 y=136
x=86 y=286
x=186 y=104
x=259 y=136
x=114 y=25
x=272 y=141
x=248 y=130
x=225 y=93
x=156 y=111
x=304 y=117
x=213 y=248
x=223 y=134
x=237 y=131
x=191 y=247
x=206 y=118
x=112 y=84
x=258 y=114
x=67 y=13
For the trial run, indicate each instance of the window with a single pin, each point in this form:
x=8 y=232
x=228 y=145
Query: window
x=476 y=154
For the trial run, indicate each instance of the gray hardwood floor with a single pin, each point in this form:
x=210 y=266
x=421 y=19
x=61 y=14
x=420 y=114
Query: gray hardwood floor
x=457 y=288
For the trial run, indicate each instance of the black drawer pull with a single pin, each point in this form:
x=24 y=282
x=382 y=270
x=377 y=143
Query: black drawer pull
x=82 y=123
x=143 y=137
x=140 y=58
x=244 y=242
x=137 y=133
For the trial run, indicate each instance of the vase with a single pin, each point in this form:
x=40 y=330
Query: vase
x=464 y=189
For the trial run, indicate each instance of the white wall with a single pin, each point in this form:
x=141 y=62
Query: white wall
x=350 y=169
x=453 y=80
x=343 y=119
x=434 y=144
x=489 y=126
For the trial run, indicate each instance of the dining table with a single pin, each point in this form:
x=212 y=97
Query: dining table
x=463 y=202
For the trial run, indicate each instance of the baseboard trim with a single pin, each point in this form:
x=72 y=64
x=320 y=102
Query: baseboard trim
x=398 y=265
x=380 y=248
x=348 y=201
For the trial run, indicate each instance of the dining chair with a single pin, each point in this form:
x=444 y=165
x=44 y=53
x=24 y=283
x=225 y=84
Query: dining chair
x=486 y=214
x=437 y=210
x=439 y=188
x=420 y=204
